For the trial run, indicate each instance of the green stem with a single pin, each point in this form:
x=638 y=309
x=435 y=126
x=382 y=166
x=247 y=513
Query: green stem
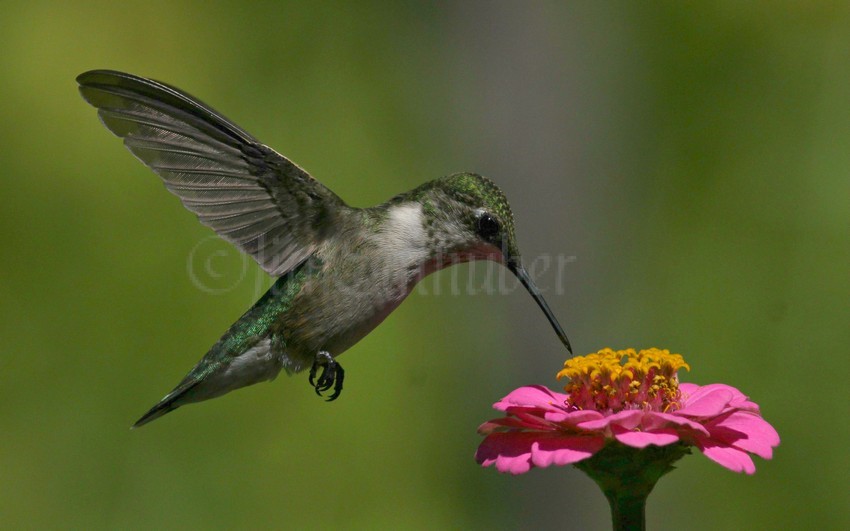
x=627 y=475
x=628 y=510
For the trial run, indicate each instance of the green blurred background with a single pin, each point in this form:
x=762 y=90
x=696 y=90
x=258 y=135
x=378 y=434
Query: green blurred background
x=688 y=162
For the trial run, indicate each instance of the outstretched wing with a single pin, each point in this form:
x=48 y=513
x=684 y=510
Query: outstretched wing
x=249 y=194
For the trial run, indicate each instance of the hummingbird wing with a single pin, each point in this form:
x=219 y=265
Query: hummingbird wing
x=248 y=193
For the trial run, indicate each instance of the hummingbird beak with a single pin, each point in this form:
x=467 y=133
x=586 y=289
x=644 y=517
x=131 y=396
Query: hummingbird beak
x=517 y=269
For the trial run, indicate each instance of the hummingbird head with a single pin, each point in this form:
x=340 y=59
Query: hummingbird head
x=467 y=217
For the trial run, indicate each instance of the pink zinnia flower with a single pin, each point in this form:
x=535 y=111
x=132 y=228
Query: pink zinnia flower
x=632 y=398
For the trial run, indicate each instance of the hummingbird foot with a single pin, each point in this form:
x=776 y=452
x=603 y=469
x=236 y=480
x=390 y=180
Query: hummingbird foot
x=332 y=375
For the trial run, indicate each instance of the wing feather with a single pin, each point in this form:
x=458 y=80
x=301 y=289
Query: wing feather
x=248 y=193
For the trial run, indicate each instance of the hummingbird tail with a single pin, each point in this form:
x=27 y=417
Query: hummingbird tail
x=154 y=413
x=166 y=405
x=243 y=356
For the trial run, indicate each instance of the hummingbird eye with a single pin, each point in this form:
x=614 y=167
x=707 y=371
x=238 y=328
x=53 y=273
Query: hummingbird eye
x=488 y=227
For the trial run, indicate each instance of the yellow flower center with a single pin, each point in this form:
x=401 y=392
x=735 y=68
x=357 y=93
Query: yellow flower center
x=614 y=380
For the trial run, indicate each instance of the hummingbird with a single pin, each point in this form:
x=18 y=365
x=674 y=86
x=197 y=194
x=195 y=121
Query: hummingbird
x=339 y=270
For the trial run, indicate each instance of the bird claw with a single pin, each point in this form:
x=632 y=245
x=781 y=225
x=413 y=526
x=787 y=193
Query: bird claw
x=332 y=375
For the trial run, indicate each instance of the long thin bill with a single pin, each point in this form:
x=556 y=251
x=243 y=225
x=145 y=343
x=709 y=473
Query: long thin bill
x=517 y=269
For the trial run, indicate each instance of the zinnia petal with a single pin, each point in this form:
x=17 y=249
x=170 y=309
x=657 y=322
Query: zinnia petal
x=564 y=450
x=739 y=400
x=628 y=419
x=573 y=418
x=653 y=420
x=732 y=458
x=642 y=439
x=510 y=452
x=705 y=402
x=536 y=396
x=747 y=431
x=496 y=424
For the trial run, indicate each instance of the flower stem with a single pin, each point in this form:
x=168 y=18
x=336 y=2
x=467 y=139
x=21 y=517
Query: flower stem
x=628 y=511
x=627 y=475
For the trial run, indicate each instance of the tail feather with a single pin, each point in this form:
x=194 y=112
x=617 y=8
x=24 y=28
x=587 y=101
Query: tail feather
x=166 y=405
x=243 y=356
x=154 y=413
